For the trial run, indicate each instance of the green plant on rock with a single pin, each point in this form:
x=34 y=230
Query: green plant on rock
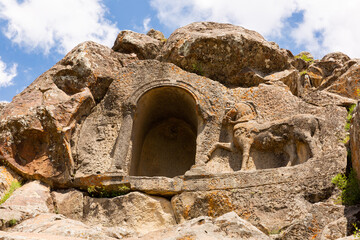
x=349 y=186
x=305 y=58
x=356 y=232
x=275 y=231
x=14 y=185
x=349 y=116
x=12 y=222
x=102 y=192
x=303 y=73
x=348 y=123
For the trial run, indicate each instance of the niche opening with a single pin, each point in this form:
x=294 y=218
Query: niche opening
x=164 y=133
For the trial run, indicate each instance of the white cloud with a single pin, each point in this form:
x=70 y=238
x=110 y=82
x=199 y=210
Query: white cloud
x=335 y=21
x=264 y=16
x=7 y=74
x=146 y=24
x=56 y=24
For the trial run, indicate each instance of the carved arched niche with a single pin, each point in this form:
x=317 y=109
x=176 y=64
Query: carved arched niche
x=164 y=133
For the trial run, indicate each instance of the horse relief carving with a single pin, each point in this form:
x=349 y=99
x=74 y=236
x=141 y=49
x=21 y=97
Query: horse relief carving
x=285 y=142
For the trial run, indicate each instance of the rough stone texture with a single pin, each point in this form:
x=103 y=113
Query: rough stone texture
x=228 y=226
x=107 y=119
x=348 y=84
x=28 y=201
x=289 y=77
x=270 y=206
x=2 y=106
x=355 y=141
x=229 y=54
x=144 y=46
x=33 y=236
x=6 y=178
x=35 y=128
x=335 y=229
x=135 y=211
x=69 y=203
x=57 y=226
x=156 y=35
x=336 y=56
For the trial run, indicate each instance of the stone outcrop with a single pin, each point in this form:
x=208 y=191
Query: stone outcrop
x=228 y=226
x=28 y=201
x=355 y=141
x=229 y=54
x=56 y=226
x=136 y=212
x=214 y=120
x=2 y=106
x=36 y=127
x=69 y=203
x=144 y=46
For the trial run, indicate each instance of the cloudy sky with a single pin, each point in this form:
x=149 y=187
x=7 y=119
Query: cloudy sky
x=35 y=34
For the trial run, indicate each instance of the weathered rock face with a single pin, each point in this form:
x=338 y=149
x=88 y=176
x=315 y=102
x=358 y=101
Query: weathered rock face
x=228 y=226
x=136 y=212
x=355 y=141
x=2 y=106
x=145 y=46
x=335 y=73
x=229 y=54
x=253 y=135
x=35 y=128
x=348 y=83
x=7 y=177
x=26 y=202
x=56 y=226
x=69 y=203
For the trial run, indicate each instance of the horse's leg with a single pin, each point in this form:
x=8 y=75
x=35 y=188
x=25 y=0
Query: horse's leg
x=226 y=146
x=245 y=142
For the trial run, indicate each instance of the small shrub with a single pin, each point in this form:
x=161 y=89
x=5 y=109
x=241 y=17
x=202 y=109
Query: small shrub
x=275 y=231
x=349 y=117
x=305 y=58
x=101 y=192
x=14 y=185
x=12 y=222
x=349 y=186
x=356 y=232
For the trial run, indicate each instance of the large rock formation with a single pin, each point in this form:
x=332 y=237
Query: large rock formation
x=213 y=120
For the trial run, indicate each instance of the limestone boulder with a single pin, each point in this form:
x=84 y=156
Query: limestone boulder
x=35 y=128
x=135 y=212
x=290 y=78
x=227 y=226
x=56 y=226
x=69 y=202
x=339 y=57
x=156 y=35
x=348 y=83
x=26 y=202
x=226 y=53
x=144 y=46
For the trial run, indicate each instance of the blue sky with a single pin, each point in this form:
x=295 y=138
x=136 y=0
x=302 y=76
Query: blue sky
x=35 y=34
